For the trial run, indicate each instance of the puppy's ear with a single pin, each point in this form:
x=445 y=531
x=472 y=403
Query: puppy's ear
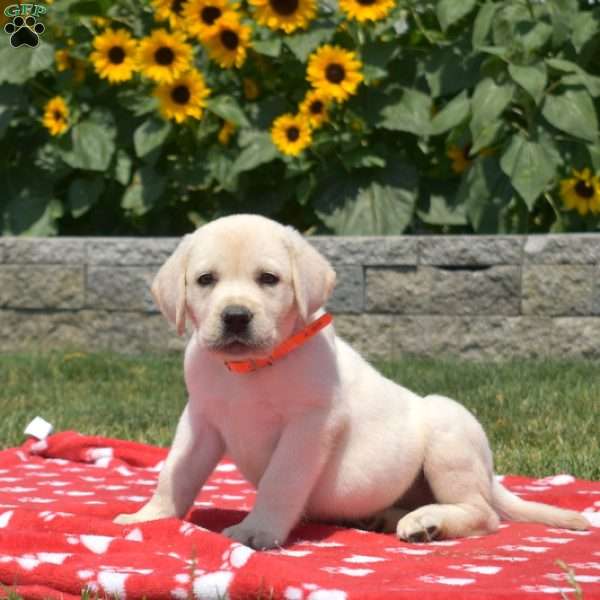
x=313 y=277
x=169 y=285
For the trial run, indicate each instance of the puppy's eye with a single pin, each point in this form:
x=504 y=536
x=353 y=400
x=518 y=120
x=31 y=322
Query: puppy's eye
x=268 y=279
x=206 y=279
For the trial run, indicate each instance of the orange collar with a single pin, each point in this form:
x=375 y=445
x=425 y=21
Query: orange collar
x=248 y=366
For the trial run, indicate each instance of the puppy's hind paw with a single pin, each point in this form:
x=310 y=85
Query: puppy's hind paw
x=418 y=528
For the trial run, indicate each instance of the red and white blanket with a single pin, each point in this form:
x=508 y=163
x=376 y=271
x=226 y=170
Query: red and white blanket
x=58 y=498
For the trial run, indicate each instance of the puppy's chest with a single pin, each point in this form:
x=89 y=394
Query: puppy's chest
x=250 y=426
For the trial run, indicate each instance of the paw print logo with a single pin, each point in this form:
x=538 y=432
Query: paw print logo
x=24 y=32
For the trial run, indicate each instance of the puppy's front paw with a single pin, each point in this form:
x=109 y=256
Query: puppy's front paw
x=127 y=519
x=254 y=538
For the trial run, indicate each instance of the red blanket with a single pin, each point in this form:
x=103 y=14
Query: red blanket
x=58 y=498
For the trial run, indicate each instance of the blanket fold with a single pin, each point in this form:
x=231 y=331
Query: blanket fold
x=58 y=498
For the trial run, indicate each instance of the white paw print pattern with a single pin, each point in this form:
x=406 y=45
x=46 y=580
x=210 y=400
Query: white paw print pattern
x=57 y=506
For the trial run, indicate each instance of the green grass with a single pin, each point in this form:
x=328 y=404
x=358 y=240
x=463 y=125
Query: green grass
x=541 y=417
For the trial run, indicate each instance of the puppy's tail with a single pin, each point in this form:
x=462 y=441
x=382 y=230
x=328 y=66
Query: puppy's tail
x=511 y=507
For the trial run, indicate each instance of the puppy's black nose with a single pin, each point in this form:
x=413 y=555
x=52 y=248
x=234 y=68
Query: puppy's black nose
x=236 y=318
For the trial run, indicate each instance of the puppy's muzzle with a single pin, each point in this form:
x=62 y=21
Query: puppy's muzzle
x=236 y=319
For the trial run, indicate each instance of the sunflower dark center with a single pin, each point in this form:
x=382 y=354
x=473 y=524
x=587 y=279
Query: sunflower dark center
x=292 y=133
x=58 y=116
x=180 y=94
x=177 y=6
x=584 y=189
x=335 y=73
x=164 y=56
x=367 y=2
x=316 y=107
x=230 y=39
x=116 y=55
x=284 y=7
x=210 y=14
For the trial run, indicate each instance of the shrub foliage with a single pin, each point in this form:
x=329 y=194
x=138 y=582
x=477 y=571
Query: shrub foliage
x=466 y=116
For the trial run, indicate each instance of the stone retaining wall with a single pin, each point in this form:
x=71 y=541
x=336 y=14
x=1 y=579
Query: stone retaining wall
x=469 y=296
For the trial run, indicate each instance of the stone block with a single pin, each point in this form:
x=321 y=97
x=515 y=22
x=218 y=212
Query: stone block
x=120 y=288
x=130 y=332
x=349 y=292
x=130 y=251
x=558 y=289
x=435 y=291
x=425 y=336
x=471 y=250
x=44 y=251
x=368 y=334
x=30 y=330
x=568 y=249
x=49 y=286
x=359 y=250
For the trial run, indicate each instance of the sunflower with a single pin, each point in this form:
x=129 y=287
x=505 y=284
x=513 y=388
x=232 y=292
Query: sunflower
x=65 y=62
x=183 y=97
x=228 y=42
x=314 y=108
x=225 y=133
x=581 y=192
x=460 y=157
x=288 y=15
x=114 y=55
x=56 y=116
x=291 y=134
x=163 y=56
x=251 y=89
x=170 y=10
x=200 y=16
x=367 y=10
x=334 y=71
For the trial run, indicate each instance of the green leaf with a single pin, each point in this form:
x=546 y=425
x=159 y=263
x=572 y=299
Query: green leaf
x=532 y=79
x=270 y=47
x=486 y=193
x=442 y=213
x=483 y=23
x=375 y=58
x=92 y=146
x=18 y=65
x=488 y=102
x=83 y=194
x=586 y=25
x=450 y=11
x=29 y=205
x=6 y=114
x=572 y=112
x=363 y=158
x=451 y=69
x=576 y=75
x=410 y=112
x=303 y=43
x=150 y=135
x=227 y=108
x=533 y=36
x=454 y=113
x=145 y=189
x=530 y=167
x=259 y=150
x=123 y=166
x=378 y=205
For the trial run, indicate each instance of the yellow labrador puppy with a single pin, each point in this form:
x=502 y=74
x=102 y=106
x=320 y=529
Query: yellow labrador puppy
x=310 y=423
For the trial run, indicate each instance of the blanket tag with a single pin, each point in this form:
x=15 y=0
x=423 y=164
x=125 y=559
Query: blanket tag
x=39 y=428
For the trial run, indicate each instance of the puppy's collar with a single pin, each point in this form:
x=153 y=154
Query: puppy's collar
x=248 y=366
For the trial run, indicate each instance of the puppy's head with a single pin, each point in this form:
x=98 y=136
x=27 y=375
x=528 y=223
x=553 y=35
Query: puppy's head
x=243 y=282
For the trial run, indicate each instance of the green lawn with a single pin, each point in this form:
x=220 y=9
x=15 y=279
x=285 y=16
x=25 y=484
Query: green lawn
x=542 y=417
